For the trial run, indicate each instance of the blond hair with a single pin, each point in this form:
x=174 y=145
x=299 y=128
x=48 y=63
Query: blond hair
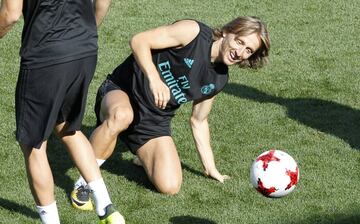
x=243 y=26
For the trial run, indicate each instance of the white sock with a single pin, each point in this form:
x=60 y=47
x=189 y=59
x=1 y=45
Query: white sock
x=81 y=181
x=101 y=195
x=49 y=213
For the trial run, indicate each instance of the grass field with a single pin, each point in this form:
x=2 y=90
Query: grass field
x=305 y=103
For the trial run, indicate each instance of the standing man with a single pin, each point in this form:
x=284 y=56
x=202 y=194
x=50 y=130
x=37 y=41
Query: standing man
x=58 y=59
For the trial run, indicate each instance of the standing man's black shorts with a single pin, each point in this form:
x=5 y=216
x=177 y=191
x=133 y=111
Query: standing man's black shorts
x=51 y=95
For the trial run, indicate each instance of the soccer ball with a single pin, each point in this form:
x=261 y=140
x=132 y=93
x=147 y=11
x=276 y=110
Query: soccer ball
x=274 y=173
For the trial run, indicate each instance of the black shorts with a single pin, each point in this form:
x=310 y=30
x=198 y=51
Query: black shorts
x=51 y=95
x=146 y=125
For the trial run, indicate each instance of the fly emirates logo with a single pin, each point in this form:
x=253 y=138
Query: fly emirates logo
x=176 y=86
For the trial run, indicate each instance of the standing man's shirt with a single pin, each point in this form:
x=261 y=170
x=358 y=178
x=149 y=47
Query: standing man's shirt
x=57 y=31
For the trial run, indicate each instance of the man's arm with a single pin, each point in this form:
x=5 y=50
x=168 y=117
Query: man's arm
x=201 y=133
x=10 y=12
x=101 y=9
x=178 y=34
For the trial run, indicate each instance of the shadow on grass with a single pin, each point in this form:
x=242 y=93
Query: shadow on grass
x=191 y=170
x=15 y=207
x=190 y=219
x=119 y=166
x=61 y=162
x=326 y=116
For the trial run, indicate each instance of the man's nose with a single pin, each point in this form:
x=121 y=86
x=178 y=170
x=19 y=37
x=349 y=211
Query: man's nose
x=240 y=52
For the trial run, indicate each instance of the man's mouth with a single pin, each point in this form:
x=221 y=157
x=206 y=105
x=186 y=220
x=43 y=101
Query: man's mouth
x=233 y=56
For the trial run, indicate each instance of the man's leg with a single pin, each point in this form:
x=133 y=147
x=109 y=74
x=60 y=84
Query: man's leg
x=116 y=114
x=82 y=154
x=41 y=182
x=162 y=164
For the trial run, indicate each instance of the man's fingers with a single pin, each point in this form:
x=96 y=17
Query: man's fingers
x=226 y=177
x=162 y=99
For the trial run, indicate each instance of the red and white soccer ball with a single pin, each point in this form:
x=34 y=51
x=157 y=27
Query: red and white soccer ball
x=274 y=173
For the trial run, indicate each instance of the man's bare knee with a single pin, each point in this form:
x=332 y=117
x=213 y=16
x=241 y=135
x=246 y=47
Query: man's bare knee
x=169 y=187
x=119 y=120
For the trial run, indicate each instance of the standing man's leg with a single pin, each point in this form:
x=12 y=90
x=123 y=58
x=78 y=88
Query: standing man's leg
x=79 y=147
x=82 y=154
x=34 y=123
x=41 y=182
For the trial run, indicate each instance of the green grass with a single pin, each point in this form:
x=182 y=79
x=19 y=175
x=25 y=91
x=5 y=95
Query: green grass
x=305 y=102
